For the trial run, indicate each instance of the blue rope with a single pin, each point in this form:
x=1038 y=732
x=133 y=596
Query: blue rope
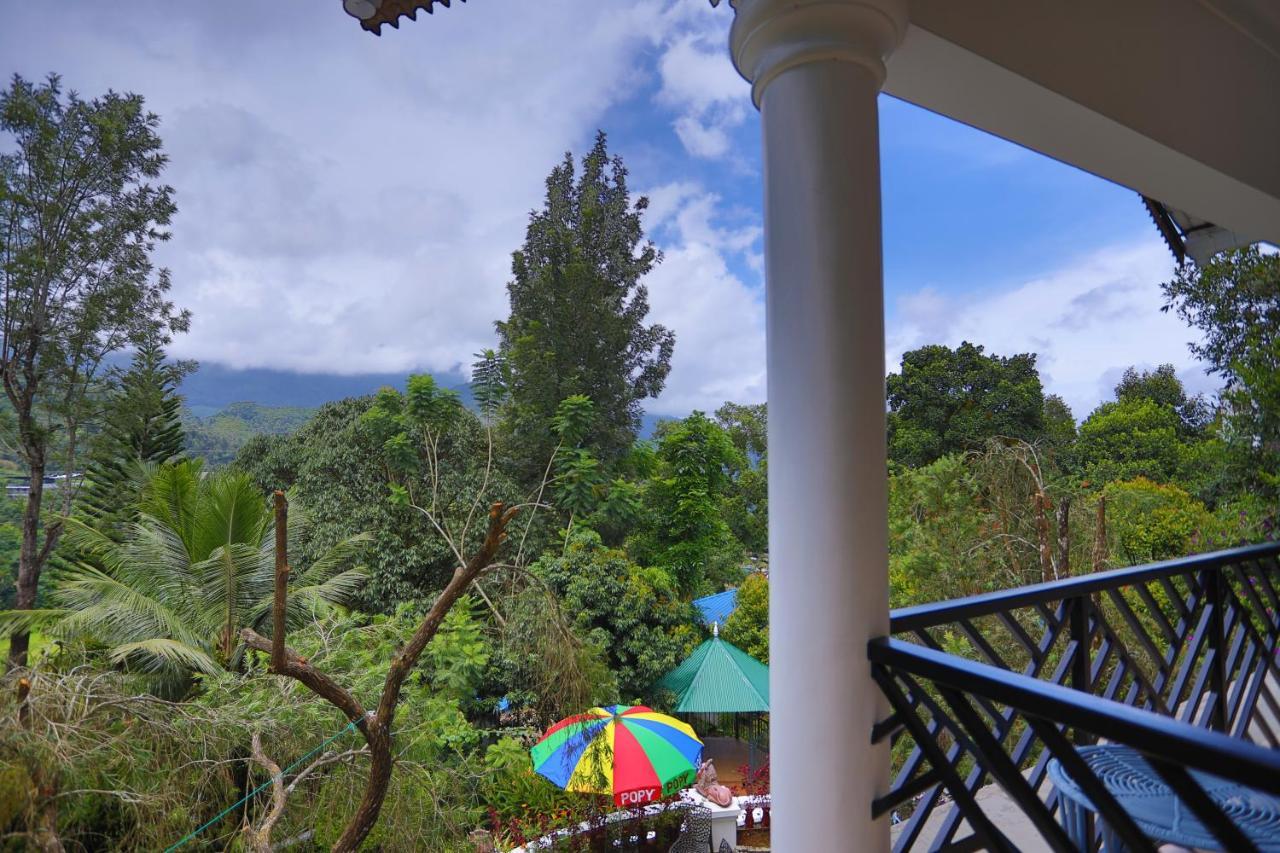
x=220 y=815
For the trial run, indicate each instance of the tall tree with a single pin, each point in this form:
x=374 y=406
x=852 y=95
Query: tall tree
x=948 y=401
x=80 y=214
x=142 y=424
x=577 y=313
x=1234 y=302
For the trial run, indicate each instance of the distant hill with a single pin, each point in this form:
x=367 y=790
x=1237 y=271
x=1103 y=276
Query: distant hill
x=215 y=386
x=219 y=436
x=219 y=421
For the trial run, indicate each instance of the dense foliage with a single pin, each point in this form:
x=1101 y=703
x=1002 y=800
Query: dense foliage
x=166 y=594
x=634 y=614
x=684 y=530
x=342 y=465
x=748 y=625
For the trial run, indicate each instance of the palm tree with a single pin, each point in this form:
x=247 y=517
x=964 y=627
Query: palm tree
x=193 y=569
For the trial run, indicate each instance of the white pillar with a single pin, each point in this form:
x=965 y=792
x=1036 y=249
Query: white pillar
x=816 y=68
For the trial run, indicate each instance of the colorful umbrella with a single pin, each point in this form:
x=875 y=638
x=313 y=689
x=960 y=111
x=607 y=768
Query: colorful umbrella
x=632 y=752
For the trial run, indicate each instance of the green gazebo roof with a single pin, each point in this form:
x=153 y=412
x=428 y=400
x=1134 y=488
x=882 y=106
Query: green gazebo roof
x=718 y=677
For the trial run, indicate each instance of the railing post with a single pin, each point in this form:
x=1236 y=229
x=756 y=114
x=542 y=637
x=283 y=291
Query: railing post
x=1078 y=612
x=1211 y=580
x=1081 y=676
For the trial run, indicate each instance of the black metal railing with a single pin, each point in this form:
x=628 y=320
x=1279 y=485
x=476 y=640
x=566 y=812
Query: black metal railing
x=1176 y=660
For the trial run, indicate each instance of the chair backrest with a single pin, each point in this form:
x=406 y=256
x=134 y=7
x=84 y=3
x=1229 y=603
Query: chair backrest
x=695 y=836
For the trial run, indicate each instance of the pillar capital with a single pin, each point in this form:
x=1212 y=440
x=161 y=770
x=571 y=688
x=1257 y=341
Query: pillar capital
x=772 y=36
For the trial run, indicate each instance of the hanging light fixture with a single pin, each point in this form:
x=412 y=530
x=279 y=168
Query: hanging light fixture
x=362 y=9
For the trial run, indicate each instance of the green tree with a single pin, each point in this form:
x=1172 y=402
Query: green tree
x=436 y=468
x=950 y=401
x=579 y=481
x=578 y=307
x=1163 y=387
x=489 y=384
x=748 y=625
x=635 y=615
x=746 y=502
x=1149 y=521
x=459 y=652
x=1131 y=438
x=1059 y=423
x=194 y=568
x=80 y=212
x=141 y=424
x=1234 y=302
x=685 y=532
x=10 y=546
x=937 y=527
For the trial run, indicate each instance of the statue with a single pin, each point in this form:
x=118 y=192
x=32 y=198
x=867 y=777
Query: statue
x=707 y=783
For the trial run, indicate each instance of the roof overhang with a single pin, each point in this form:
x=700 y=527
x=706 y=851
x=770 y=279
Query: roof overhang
x=1175 y=99
x=372 y=14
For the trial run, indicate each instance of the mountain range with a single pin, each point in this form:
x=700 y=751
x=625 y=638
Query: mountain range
x=226 y=406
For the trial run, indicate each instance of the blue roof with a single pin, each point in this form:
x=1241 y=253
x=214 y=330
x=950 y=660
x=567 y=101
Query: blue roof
x=716 y=608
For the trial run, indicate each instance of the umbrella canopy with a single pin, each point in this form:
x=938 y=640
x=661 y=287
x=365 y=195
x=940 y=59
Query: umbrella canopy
x=631 y=752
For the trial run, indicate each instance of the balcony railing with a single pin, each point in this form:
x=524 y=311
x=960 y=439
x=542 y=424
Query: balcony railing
x=1176 y=660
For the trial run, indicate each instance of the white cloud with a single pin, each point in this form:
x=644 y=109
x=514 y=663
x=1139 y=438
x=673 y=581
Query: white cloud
x=701 y=140
x=349 y=203
x=1086 y=321
x=700 y=83
x=718 y=318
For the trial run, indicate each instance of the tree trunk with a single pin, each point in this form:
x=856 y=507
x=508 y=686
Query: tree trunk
x=29 y=563
x=1064 y=536
x=378 y=736
x=1042 y=534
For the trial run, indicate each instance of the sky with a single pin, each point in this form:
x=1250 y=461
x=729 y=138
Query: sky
x=348 y=204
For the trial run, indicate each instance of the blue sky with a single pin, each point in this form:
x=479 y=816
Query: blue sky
x=348 y=204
